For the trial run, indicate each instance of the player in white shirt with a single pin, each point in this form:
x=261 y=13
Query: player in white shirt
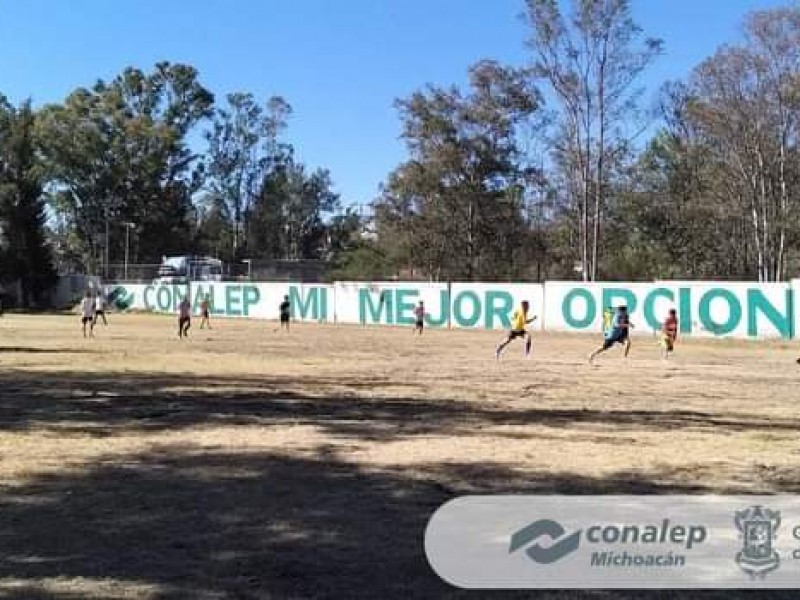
x=100 y=307
x=87 y=313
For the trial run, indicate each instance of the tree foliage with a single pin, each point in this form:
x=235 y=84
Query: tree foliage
x=289 y=214
x=118 y=153
x=523 y=173
x=125 y=154
x=590 y=61
x=455 y=208
x=712 y=194
x=243 y=151
x=24 y=253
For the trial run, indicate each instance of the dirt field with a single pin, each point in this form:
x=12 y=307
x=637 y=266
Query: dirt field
x=244 y=463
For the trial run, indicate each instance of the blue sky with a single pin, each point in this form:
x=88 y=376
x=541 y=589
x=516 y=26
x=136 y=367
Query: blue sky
x=340 y=63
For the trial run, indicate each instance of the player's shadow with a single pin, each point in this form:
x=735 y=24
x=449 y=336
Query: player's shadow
x=35 y=350
x=189 y=522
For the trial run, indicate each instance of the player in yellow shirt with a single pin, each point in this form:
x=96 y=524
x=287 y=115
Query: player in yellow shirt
x=608 y=319
x=518 y=323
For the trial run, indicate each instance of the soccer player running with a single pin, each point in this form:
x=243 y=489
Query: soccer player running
x=669 y=334
x=608 y=319
x=87 y=313
x=419 y=313
x=619 y=333
x=519 y=321
x=100 y=308
x=205 y=312
x=184 y=318
x=285 y=310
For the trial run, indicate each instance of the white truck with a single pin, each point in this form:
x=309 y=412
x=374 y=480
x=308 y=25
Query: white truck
x=180 y=269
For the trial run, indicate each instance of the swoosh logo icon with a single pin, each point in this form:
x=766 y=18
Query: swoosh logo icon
x=120 y=298
x=549 y=529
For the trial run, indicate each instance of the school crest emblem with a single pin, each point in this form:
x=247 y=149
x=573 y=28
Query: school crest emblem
x=758 y=528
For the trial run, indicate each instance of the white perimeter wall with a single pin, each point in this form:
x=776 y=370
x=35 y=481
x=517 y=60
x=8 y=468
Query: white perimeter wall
x=718 y=309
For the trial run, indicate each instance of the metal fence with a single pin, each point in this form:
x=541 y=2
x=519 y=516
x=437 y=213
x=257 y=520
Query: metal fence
x=69 y=289
x=305 y=271
x=131 y=273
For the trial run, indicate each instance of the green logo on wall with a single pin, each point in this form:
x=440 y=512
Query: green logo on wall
x=120 y=298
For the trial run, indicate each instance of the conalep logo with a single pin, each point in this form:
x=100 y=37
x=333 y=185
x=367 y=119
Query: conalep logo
x=664 y=533
x=617 y=542
x=120 y=298
x=552 y=530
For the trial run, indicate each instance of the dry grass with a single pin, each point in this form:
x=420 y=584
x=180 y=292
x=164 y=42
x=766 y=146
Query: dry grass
x=244 y=463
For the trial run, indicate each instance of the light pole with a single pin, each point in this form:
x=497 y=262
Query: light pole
x=128 y=227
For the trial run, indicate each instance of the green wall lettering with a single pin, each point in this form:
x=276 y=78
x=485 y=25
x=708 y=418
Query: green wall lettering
x=500 y=305
x=685 y=310
x=147 y=297
x=323 y=311
x=757 y=303
x=653 y=320
x=443 y=317
x=405 y=304
x=734 y=311
x=233 y=300
x=473 y=306
x=250 y=296
x=568 y=304
x=378 y=311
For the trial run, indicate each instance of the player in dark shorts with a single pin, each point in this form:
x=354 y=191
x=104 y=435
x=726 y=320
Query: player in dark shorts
x=285 y=309
x=419 y=314
x=100 y=308
x=205 y=312
x=619 y=333
x=87 y=313
x=519 y=321
x=185 y=318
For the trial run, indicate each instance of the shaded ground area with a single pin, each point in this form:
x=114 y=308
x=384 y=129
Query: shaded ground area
x=247 y=464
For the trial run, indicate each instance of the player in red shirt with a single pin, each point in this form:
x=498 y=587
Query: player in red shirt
x=669 y=334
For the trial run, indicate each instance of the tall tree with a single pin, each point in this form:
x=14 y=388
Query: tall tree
x=289 y=214
x=24 y=253
x=214 y=236
x=119 y=153
x=746 y=104
x=243 y=148
x=590 y=62
x=455 y=205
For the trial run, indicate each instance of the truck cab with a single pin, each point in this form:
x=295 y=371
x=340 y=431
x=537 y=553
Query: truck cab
x=181 y=269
